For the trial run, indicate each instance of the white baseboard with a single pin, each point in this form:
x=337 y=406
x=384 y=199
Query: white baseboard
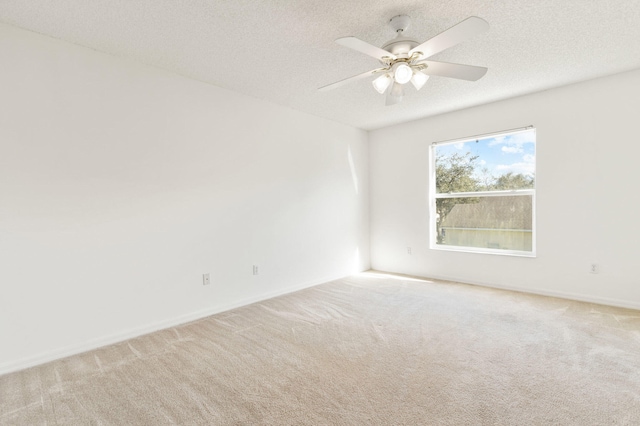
x=573 y=296
x=559 y=294
x=149 y=328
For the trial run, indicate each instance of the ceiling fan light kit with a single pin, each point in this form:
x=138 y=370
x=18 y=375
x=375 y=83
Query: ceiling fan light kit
x=404 y=59
x=419 y=79
x=402 y=73
x=382 y=83
x=397 y=91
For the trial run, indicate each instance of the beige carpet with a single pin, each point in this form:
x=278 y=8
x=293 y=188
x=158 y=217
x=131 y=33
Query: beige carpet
x=369 y=349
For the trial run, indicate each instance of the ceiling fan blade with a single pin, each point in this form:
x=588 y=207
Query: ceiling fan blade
x=445 y=69
x=350 y=79
x=364 y=47
x=454 y=35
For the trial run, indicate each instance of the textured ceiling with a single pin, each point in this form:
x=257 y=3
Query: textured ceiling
x=283 y=50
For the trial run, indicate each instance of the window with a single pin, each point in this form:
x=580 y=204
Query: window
x=482 y=194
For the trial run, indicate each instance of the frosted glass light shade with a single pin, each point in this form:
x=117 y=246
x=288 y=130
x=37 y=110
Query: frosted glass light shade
x=381 y=83
x=397 y=91
x=402 y=74
x=419 y=79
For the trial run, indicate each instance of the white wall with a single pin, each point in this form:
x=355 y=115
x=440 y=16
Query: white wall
x=588 y=208
x=121 y=184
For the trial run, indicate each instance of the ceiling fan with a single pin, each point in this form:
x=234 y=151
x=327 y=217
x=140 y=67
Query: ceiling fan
x=403 y=59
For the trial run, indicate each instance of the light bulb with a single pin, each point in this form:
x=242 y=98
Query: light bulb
x=402 y=74
x=419 y=79
x=381 y=83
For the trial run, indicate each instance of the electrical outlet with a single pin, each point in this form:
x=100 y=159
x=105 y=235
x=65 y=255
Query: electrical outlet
x=408 y=250
x=594 y=268
x=255 y=269
x=206 y=279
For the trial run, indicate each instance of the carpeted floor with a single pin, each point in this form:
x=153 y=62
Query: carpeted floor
x=369 y=349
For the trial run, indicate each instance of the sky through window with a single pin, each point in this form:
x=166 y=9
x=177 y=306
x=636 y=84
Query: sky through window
x=499 y=155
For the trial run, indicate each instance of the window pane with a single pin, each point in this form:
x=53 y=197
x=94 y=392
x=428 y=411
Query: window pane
x=496 y=163
x=498 y=222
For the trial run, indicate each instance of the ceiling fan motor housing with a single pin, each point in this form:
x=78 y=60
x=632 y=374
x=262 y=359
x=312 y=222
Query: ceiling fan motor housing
x=401 y=45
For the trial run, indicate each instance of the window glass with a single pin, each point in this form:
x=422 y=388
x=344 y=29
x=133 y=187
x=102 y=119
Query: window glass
x=483 y=194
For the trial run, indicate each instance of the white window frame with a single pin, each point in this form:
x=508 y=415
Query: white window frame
x=519 y=192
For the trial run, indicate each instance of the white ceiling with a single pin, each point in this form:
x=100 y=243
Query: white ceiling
x=283 y=50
